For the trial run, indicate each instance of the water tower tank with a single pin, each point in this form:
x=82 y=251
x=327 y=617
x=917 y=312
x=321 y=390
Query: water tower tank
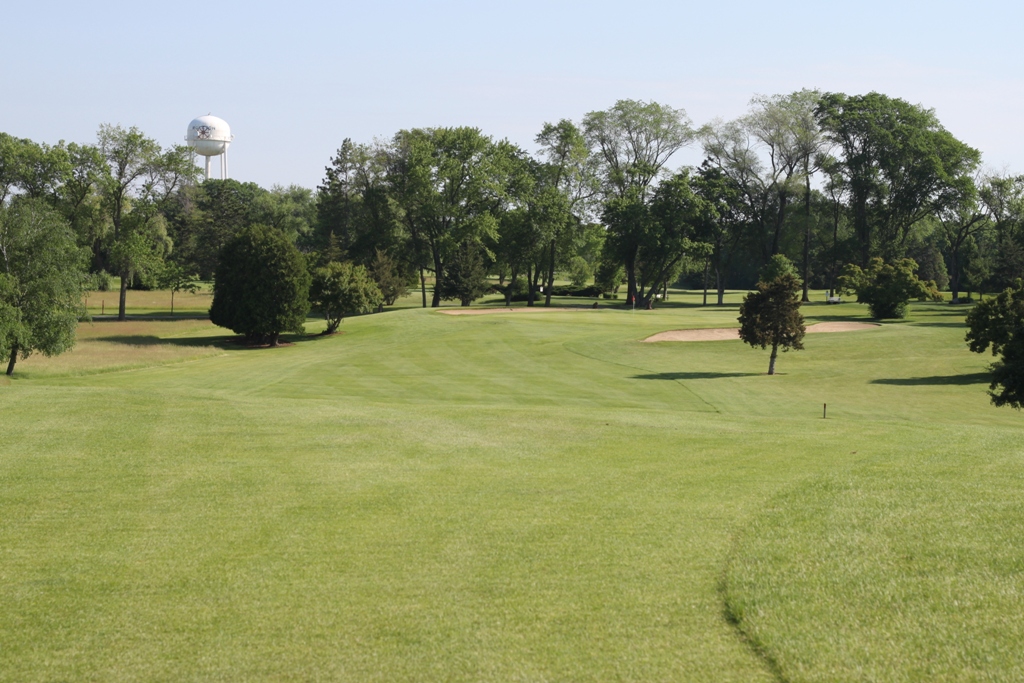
x=209 y=136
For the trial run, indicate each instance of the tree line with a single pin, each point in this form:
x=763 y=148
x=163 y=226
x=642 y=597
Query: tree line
x=826 y=179
x=823 y=178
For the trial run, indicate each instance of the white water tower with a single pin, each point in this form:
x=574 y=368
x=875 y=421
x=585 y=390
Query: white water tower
x=210 y=136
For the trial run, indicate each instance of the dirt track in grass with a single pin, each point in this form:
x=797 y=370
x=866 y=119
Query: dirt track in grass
x=726 y=333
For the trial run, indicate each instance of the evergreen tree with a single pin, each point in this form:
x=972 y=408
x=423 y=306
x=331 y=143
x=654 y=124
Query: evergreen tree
x=389 y=277
x=464 y=278
x=777 y=266
x=770 y=316
x=261 y=287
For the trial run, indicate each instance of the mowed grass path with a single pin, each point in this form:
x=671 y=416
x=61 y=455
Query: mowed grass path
x=532 y=496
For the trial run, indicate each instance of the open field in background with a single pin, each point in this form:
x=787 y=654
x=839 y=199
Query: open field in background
x=153 y=302
x=528 y=496
x=107 y=345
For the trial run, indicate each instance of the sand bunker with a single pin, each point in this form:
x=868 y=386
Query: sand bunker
x=724 y=333
x=517 y=309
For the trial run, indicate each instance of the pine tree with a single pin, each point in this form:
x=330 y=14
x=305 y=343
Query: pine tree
x=770 y=316
x=465 y=277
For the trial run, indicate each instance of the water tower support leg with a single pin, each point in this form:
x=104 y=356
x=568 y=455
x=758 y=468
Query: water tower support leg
x=224 y=165
x=207 y=167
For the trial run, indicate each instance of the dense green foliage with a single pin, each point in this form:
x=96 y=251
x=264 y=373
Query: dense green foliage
x=655 y=236
x=999 y=323
x=464 y=278
x=899 y=163
x=886 y=288
x=340 y=289
x=207 y=215
x=824 y=179
x=770 y=315
x=261 y=287
x=777 y=267
x=389 y=276
x=42 y=273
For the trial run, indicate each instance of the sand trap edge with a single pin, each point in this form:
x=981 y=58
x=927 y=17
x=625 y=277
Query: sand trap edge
x=728 y=333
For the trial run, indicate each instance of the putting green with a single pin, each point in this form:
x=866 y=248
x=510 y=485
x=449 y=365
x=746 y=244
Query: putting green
x=515 y=497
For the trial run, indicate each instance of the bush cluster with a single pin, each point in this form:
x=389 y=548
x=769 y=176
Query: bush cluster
x=887 y=288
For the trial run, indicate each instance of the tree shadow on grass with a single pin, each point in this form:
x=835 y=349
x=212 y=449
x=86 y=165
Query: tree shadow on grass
x=961 y=324
x=150 y=317
x=711 y=305
x=812 y=318
x=216 y=341
x=938 y=380
x=959 y=311
x=219 y=341
x=695 y=375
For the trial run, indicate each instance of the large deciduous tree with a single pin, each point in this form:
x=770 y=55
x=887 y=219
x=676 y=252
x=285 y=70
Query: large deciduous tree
x=141 y=177
x=899 y=163
x=721 y=225
x=570 y=172
x=961 y=219
x=447 y=184
x=1002 y=195
x=129 y=155
x=769 y=156
x=354 y=205
x=633 y=141
x=658 y=235
x=42 y=272
x=787 y=126
x=261 y=288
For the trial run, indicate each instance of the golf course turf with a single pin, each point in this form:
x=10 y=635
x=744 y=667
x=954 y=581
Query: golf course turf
x=536 y=496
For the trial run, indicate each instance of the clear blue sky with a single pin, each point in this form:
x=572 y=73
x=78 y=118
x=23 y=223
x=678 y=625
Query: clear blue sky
x=295 y=78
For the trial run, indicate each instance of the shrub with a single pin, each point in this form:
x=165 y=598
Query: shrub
x=580 y=271
x=886 y=288
x=999 y=323
x=564 y=290
x=340 y=289
x=101 y=281
x=261 y=286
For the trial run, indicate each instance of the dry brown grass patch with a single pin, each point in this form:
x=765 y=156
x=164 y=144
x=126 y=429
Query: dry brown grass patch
x=110 y=345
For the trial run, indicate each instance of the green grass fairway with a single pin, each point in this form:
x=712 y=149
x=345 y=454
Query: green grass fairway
x=513 y=497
